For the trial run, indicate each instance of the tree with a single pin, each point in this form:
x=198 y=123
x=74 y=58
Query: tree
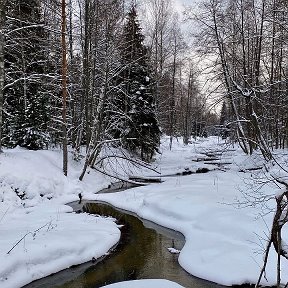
x=141 y=131
x=25 y=99
x=250 y=37
x=103 y=70
x=223 y=114
x=168 y=58
x=64 y=88
x=240 y=42
x=192 y=108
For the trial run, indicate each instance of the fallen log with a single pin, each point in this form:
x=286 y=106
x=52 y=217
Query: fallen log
x=140 y=179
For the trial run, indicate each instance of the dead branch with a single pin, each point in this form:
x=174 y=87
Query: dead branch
x=279 y=220
x=119 y=178
x=265 y=262
x=135 y=162
x=32 y=233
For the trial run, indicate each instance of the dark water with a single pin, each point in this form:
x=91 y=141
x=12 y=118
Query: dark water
x=142 y=253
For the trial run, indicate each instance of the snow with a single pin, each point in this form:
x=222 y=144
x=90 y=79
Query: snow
x=61 y=241
x=151 y=283
x=225 y=234
x=173 y=250
x=50 y=236
x=219 y=212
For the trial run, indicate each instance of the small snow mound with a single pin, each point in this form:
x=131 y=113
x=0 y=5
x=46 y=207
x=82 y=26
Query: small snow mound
x=151 y=283
x=173 y=250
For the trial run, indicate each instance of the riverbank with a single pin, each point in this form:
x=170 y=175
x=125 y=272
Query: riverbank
x=39 y=234
x=225 y=214
x=225 y=233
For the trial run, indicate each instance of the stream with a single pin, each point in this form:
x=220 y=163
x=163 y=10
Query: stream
x=141 y=253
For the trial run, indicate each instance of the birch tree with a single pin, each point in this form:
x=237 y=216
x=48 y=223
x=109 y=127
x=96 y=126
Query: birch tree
x=158 y=32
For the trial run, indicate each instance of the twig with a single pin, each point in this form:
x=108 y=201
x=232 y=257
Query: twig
x=4 y=214
x=32 y=233
x=136 y=162
x=265 y=262
x=119 y=178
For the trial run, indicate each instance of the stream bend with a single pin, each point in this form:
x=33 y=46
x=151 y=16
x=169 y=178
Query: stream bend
x=141 y=253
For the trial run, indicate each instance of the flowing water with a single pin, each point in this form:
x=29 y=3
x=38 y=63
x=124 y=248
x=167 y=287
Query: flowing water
x=141 y=253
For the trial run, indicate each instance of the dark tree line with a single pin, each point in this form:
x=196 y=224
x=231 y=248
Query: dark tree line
x=108 y=97
x=77 y=73
x=26 y=113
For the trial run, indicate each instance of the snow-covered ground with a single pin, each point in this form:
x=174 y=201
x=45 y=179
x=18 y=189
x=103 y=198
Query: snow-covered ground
x=151 y=283
x=225 y=232
x=225 y=235
x=39 y=234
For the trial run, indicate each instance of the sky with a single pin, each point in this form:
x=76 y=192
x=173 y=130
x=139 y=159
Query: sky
x=180 y=4
x=206 y=83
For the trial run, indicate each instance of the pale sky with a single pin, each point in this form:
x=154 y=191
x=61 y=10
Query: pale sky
x=178 y=4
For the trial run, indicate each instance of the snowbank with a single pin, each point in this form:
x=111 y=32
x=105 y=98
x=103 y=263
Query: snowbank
x=225 y=232
x=151 y=283
x=40 y=235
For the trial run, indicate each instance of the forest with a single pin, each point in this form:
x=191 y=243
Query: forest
x=80 y=75
x=91 y=73
x=120 y=83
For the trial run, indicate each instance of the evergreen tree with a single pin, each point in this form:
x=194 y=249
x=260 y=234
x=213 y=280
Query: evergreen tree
x=140 y=130
x=25 y=100
x=224 y=121
x=223 y=114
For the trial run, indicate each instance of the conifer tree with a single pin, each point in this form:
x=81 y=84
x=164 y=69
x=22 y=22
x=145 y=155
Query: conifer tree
x=223 y=114
x=140 y=130
x=224 y=119
x=25 y=99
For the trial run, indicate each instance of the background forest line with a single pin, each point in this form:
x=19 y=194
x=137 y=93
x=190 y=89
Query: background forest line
x=89 y=73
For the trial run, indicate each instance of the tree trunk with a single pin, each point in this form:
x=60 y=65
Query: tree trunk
x=172 y=99
x=87 y=73
x=64 y=90
x=241 y=135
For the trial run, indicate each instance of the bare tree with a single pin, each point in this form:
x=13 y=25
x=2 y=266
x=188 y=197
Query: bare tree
x=275 y=239
x=250 y=37
x=240 y=53
x=159 y=30
x=192 y=107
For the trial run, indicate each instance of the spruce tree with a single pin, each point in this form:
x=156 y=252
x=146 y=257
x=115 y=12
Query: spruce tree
x=25 y=99
x=223 y=114
x=224 y=121
x=140 y=130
